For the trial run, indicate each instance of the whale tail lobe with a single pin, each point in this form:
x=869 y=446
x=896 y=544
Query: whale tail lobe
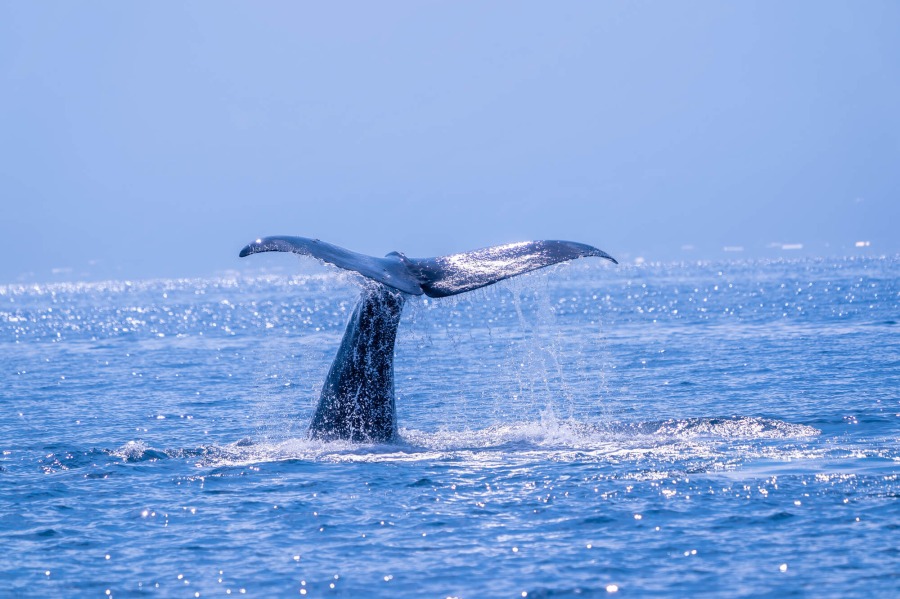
x=436 y=277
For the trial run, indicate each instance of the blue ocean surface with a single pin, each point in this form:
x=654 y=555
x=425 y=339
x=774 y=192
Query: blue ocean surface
x=721 y=429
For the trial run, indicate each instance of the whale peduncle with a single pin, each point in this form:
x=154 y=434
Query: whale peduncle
x=357 y=401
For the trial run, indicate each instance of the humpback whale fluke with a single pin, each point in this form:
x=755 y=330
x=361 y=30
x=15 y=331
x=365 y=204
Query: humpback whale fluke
x=357 y=401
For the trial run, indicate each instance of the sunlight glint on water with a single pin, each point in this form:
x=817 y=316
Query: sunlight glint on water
x=727 y=428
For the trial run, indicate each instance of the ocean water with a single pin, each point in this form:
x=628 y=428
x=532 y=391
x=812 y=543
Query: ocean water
x=699 y=429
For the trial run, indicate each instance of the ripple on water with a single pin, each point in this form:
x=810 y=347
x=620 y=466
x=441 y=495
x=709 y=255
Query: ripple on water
x=663 y=429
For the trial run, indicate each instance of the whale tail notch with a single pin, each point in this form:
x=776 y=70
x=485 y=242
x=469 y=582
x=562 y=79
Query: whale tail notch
x=436 y=277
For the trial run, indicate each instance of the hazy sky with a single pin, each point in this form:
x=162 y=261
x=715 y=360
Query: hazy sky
x=157 y=138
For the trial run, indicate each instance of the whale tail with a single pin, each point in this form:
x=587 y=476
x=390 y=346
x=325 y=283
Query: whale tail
x=357 y=400
x=436 y=277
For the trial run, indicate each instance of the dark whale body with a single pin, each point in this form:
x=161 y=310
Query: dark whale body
x=357 y=401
